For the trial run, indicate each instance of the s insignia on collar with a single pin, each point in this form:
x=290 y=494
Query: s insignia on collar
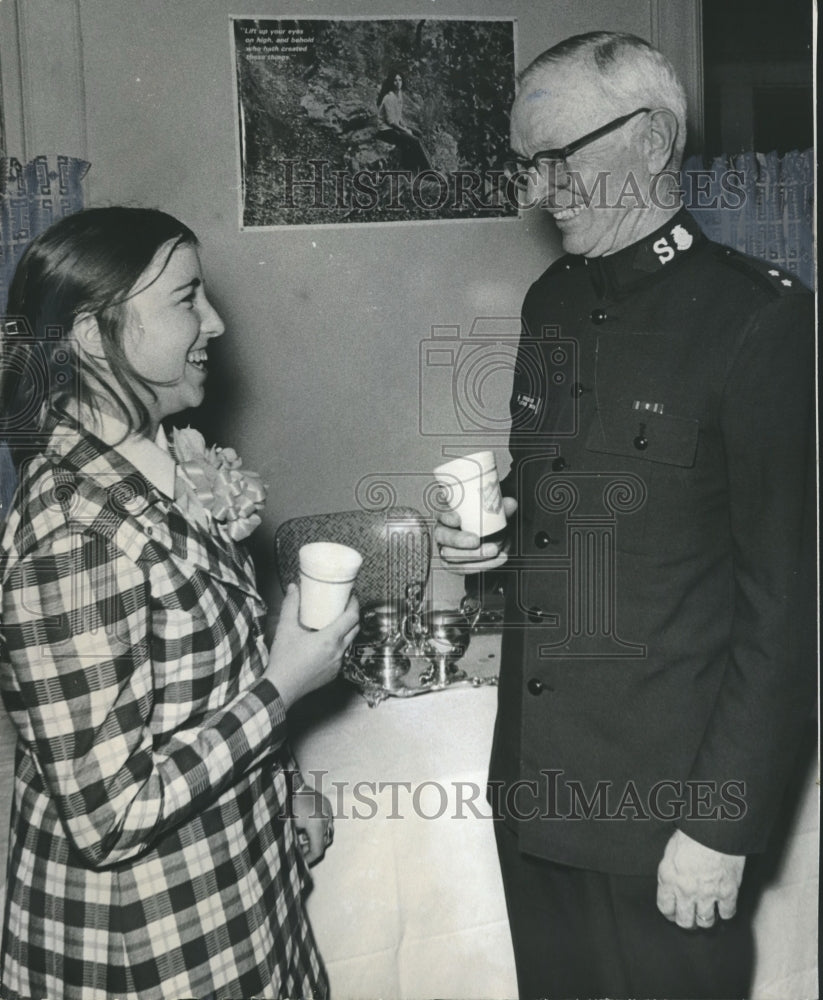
x=682 y=238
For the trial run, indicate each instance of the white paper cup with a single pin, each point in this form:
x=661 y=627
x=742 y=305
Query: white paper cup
x=473 y=490
x=327 y=574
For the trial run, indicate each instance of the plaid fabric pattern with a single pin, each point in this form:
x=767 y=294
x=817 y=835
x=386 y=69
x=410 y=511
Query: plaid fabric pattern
x=150 y=851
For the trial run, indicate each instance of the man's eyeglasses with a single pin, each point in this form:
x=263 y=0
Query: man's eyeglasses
x=518 y=169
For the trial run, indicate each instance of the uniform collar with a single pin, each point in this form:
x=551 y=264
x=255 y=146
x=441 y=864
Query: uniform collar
x=659 y=251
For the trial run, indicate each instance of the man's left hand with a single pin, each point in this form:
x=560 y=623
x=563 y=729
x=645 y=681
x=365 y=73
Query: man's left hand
x=696 y=883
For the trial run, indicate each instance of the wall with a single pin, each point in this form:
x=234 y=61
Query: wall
x=316 y=381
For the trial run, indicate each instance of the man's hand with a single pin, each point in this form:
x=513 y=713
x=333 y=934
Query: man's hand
x=462 y=551
x=694 y=881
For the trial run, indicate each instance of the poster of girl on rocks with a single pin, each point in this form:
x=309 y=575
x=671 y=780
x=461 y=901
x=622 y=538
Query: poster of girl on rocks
x=355 y=120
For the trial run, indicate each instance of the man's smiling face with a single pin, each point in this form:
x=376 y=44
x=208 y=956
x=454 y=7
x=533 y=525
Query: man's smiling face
x=558 y=104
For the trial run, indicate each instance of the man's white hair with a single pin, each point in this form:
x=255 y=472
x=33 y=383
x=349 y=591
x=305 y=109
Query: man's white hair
x=630 y=72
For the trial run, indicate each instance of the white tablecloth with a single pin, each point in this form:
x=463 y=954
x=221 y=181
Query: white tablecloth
x=408 y=902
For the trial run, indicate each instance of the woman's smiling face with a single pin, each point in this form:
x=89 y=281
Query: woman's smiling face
x=169 y=322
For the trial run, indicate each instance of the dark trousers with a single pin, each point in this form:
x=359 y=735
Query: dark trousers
x=587 y=934
x=412 y=153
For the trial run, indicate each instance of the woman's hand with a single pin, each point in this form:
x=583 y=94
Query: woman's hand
x=301 y=660
x=313 y=821
x=463 y=551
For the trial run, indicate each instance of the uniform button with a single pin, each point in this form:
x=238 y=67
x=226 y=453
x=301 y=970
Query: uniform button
x=641 y=442
x=559 y=464
x=535 y=686
x=598 y=316
x=542 y=540
x=536 y=615
x=578 y=389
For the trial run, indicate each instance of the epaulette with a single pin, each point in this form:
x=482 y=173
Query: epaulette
x=767 y=275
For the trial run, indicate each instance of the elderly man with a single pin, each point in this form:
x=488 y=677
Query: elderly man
x=656 y=663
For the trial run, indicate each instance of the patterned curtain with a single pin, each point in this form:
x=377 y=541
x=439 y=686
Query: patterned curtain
x=759 y=203
x=32 y=196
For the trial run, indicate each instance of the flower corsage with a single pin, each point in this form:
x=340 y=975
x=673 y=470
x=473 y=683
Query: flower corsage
x=212 y=487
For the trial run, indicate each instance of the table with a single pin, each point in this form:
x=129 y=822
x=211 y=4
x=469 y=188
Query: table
x=408 y=902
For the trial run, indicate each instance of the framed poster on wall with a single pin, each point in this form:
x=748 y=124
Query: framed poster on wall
x=364 y=120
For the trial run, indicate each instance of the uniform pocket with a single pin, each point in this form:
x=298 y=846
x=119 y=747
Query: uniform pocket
x=645 y=435
x=662 y=450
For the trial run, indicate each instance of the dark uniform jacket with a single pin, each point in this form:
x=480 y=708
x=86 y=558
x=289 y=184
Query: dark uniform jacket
x=657 y=664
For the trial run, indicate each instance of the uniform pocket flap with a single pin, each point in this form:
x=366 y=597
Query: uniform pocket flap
x=644 y=434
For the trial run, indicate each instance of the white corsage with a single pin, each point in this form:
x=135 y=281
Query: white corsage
x=213 y=488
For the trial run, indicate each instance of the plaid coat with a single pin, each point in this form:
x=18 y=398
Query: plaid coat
x=150 y=854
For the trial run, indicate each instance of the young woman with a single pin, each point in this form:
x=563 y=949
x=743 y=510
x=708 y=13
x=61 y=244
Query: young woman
x=392 y=127
x=157 y=815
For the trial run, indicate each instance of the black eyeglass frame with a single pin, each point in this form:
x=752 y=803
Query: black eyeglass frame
x=517 y=168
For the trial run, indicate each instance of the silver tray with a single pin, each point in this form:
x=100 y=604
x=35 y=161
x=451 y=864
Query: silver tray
x=423 y=676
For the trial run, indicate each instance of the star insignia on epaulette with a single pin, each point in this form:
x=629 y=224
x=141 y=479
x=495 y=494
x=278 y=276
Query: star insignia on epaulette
x=783 y=281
